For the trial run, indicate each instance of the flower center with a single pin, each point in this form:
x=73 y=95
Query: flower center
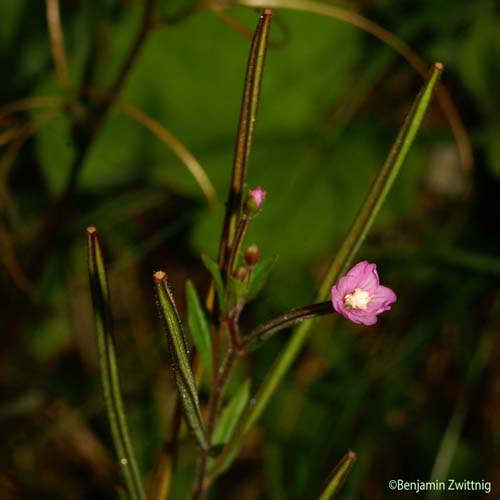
x=358 y=299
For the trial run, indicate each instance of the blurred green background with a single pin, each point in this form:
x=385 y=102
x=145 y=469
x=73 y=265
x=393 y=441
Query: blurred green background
x=421 y=388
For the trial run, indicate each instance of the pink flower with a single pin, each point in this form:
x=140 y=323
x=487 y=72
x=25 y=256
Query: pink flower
x=359 y=297
x=255 y=199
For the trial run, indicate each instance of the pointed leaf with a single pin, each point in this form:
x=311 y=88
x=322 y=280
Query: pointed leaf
x=199 y=326
x=179 y=358
x=337 y=477
x=231 y=414
x=382 y=184
x=108 y=367
x=214 y=269
x=238 y=288
x=260 y=273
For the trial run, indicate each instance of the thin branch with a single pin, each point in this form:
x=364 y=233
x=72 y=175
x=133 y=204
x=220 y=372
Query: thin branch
x=27 y=103
x=57 y=42
x=165 y=136
x=213 y=413
x=290 y=318
x=238 y=241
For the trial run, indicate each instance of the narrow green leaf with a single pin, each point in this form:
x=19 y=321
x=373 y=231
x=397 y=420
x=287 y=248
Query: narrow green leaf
x=199 y=326
x=260 y=273
x=109 y=369
x=337 y=477
x=214 y=269
x=179 y=358
x=382 y=184
x=248 y=114
x=362 y=224
x=238 y=289
x=230 y=415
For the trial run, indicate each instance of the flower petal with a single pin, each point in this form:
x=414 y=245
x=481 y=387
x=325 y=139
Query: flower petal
x=360 y=317
x=381 y=300
x=338 y=299
x=365 y=276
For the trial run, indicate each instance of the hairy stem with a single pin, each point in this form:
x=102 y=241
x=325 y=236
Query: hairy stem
x=256 y=338
x=248 y=113
x=238 y=240
x=213 y=413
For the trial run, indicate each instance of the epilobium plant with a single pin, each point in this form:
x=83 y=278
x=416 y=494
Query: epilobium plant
x=237 y=277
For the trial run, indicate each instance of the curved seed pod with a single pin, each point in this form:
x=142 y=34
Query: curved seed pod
x=179 y=358
x=109 y=368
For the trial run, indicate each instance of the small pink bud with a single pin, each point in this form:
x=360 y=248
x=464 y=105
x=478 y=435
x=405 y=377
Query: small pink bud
x=240 y=274
x=252 y=255
x=255 y=199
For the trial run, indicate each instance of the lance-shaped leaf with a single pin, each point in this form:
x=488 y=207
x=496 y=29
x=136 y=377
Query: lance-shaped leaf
x=337 y=477
x=354 y=238
x=214 y=269
x=260 y=273
x=248 y=113
x=227 y=424
x=199 y=326
x=179 y=358
x=231 y=414
x=109 y=369
x=382 y=184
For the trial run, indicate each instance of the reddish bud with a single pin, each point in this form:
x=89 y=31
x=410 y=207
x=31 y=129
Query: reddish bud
x=252 y=255
x=240 y=274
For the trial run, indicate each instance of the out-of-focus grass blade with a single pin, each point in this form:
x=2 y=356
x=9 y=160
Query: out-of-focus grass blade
x=248 y=113
x=260 y=273
x=337 y=477
x=109 y=369
x=231 y=414
x=399 y=45
x=179 y=358
x=355 y=237
x=451 y=438
x=199 y=326
x=214 y=269
x=167 y=138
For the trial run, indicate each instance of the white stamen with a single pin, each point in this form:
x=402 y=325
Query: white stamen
x=359 y=299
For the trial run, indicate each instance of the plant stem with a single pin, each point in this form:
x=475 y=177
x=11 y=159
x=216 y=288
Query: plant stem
x=256 y=338
x=213 y=413
x=248 y=113
x=238 y=241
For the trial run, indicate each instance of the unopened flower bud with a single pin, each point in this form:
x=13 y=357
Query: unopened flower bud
x=240 y=274
x=255 y=200
x=252 y=255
